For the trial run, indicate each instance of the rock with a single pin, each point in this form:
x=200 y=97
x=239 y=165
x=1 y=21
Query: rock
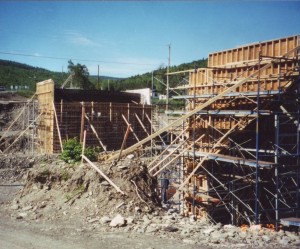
x=208 y=231
x=118 y=221
x=93 y=220
x=129 y=220
x=105 y=183
x=292 y=235
x=266 y=238
x=43 y=205
x=146 y=220
x=185 y=231
x=123 y=166
x=230 y=233
x=284 y=241
x=171 y=229
x=27 y=208
x=137 y=209
x=151 y=229
x=22 y=215
x=189 y=241
x=105 y=219
x=15 y=207
x=130 y=156
x=229 y=227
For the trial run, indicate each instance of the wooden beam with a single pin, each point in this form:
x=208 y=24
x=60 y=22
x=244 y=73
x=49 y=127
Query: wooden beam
x=144 y=128
x=210 y=151
x=166 y=149
x=95 y=132
x=124 y=141
x=130 y=128
x=154 y=129
x=82 y=121
x=183 y=151
x=57 y=127
x=102 y=174
x=83 y=145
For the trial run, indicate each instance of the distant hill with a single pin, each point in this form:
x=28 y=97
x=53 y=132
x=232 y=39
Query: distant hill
x=25 y=76
x=145 y=80
x=22 y=75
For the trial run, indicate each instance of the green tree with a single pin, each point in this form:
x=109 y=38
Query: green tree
x=81 y=76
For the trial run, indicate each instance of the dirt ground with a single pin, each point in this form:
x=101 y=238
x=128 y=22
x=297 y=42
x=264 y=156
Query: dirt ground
x=68 y=234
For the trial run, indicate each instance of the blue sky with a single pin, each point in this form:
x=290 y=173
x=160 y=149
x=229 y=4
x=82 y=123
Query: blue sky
x=129 y=38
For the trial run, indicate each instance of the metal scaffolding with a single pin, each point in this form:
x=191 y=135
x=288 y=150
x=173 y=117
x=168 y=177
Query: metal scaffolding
x=239 y=151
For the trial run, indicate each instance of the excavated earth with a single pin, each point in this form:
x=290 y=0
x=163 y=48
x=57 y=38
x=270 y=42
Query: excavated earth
x=47 y=203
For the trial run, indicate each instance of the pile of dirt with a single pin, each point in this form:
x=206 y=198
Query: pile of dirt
x=14 y=166
x=54 y=189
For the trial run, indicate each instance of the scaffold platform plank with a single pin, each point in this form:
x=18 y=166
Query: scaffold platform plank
x=292 y=221
x=231 y=159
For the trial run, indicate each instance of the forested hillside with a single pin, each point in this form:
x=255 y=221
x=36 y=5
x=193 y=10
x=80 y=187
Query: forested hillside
x=145 y=80
x=25 y=76
x=21 y=75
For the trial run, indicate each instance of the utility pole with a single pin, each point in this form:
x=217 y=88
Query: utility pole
x=152 y=88
x=168 y=70
x=98 y=79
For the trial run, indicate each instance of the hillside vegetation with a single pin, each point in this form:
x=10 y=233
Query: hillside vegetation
x=22 y=76
x=145 y=80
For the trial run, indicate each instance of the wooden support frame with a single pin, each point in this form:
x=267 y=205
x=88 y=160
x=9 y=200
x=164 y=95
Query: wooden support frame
x=204 y=105
x=166 y=149
x=144 y=128
x=82 y=121
x=124 y=141
x=57 y=127
x=179 y=155
x=130 y=127
x=95 y=132
x=210 y=151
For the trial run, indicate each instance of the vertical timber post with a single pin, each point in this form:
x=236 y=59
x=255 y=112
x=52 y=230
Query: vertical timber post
x=82 y=122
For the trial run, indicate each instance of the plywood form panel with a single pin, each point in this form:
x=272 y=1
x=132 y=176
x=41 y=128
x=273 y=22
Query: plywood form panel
x=107 y=120
x=45 y=93
x=251 y=52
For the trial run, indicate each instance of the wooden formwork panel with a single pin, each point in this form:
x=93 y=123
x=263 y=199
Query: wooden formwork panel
x=250 y=52
x=227 y=67
x=107 y=120
x=45 y=94
x=104 y=118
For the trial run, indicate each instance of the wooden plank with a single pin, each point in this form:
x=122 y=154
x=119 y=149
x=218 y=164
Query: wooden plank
x=130 y=128
x=95 y=132
x=102 y=174
x=57 y=127
x=82 y=122
x=83 y=145
x=177 y=156
x=124 y=141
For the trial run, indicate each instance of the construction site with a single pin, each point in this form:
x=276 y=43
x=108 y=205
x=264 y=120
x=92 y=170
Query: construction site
x=231 y=156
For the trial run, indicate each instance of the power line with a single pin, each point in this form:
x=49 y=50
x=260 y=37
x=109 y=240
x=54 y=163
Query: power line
x=75 y=59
